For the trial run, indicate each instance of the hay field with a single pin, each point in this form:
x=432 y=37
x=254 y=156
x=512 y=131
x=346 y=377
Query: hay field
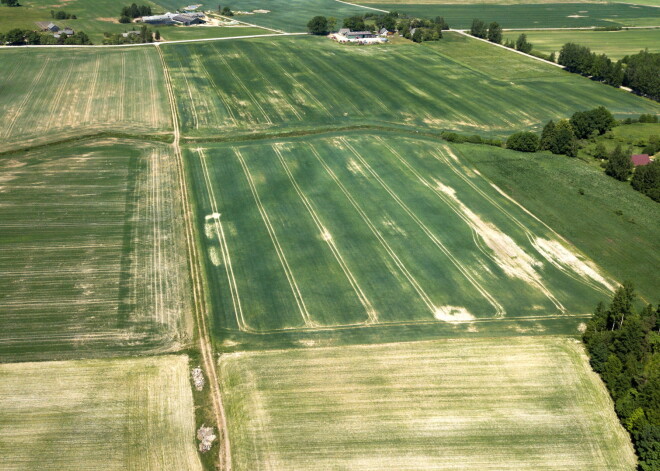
x=111 y=415
x=536 y=15
x=55 y=94
x=370 y=230
x=284 y=84
x=91 y=252
x=490 y=404
x=616 y=44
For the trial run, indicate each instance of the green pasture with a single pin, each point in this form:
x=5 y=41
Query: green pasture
x=540 y=15
x=615 y=44
x=374 y=230
x=632 y=138
x=93 y=260
x=115 y=415
x=287 y=84
x=491 y=404
x=611 y=223
x=54 y=94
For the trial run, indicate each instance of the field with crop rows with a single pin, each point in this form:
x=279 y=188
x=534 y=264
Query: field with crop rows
x=615 y=44
x=91 y=252
x=516 y=404
x=55 y=94
x=284 y=83
x=176 y=33
x=541 y=15
x=372 y=230
x=111 y=415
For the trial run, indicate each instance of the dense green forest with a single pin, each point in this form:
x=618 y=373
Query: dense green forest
x=624 y=348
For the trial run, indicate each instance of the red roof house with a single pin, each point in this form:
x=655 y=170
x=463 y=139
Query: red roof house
x=640 y=159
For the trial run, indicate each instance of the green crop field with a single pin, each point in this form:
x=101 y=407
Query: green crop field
x=316 y=234
x=92 y=258
x=292 y=83
x=178 y=33
x=51 y=94
x=134 y=414
x=615 y=44
x=514 y=404
x=545 y=15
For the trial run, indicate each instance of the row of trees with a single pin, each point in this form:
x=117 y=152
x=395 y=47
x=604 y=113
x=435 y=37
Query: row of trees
x=491 y=32
x=21 y=37
x=143 y=35
x=640 y=72
x=10 y=3
x=562 y=137
x=624 y=348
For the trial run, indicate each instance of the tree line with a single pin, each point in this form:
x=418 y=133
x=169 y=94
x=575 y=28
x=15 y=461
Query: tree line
x=640 y=72
x=10 y=3
x=624 y=349
x=62 y=15
x=493 y=32
x=143 y=35
x=22 y=37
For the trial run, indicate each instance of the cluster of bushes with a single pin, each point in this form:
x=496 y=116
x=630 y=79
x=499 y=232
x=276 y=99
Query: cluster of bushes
x=640 y=72
x=62 y=15
x=646 y=180
x=143 y=35
x=473 y=139
x=10 y=3
x=22 y=37
x=225 y=11
x=134 y=11
x=624 y=348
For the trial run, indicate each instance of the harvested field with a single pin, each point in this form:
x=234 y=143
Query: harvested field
x=91 y=252
x=55 y=94
x=304 y=83
x=111 y=415
x=376 y=230
x=537 y=15
x=490 y=404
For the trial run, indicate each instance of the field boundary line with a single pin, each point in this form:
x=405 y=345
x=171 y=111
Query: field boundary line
x=499 y=310
x=200 y=308
x=233 y=287
x=364 y=300
x=362 y=6
x=395 y=258
x=300 y=301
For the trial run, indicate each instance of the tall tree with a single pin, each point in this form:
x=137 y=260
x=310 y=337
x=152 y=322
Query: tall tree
x=523 y=45
x=495 y=33
x=478 y=28
x=619 y=165
x=318 y=25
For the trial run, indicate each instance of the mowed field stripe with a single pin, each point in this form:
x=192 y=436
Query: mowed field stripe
x=327 y=237
x=224 y=248
x=499 y=310
x=278 y=248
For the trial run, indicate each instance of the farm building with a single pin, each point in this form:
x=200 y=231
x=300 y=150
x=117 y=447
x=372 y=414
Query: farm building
x=168 y=18
x=130 y=33
x=48 y=26
x=639 y=160
x=360 y=37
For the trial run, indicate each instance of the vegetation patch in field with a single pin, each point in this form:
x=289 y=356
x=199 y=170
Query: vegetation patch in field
x=57 y=94
x=132 y=414
x=317 y=233
x=616 y=44
x=542 y=15
x=305 y=83
x=513 y=403
x=92 y=256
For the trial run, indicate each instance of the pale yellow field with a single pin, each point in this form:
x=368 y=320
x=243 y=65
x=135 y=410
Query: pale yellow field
x=104 y=415
x=473 y=404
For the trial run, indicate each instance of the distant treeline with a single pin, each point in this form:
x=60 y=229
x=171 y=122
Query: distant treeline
x=62 y=15
x=22 y=37
x=10 y=3
x=624 y=348
x=134 y=11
